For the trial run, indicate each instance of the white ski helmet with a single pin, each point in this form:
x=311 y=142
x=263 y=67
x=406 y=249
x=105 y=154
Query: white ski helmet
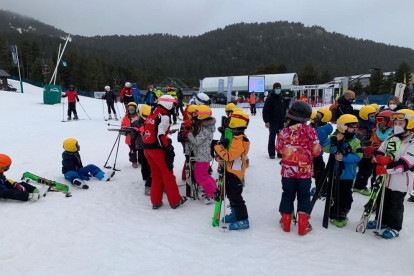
x=107 y=88
x=128 y=84
x=202 y=98
x=167 y=101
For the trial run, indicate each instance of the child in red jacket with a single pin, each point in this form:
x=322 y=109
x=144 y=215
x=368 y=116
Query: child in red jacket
x=72 y=98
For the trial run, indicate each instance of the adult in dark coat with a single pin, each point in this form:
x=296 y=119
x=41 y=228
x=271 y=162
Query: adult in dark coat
x=345 y=104
x=274 y=113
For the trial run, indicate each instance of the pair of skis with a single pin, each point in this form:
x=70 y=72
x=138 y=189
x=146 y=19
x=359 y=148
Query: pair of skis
x=54 y=186
x=192 y=187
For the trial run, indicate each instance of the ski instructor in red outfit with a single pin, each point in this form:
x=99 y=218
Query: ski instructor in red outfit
x=160 y=154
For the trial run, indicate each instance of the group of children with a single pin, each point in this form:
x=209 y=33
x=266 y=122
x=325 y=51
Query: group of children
x=378 y=143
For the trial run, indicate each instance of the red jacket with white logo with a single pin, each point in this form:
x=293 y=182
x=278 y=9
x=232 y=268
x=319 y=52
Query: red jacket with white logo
x=157 y=127
x=72 y=96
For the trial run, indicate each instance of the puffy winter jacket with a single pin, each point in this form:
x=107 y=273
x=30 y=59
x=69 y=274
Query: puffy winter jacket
x=235 y=155
x=201 y=143
x=298 y=144
x=136 y=93
x=72 y=96
x=150 y=98
x=344 y=107
x=350 y=150
x=157 y=127
x=274 y=109
x=109 y=97
x=127 y=121
x=400 y=176
x=71 y=161
x=126 y=95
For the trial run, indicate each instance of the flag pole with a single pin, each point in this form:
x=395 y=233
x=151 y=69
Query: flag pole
x=18 y=67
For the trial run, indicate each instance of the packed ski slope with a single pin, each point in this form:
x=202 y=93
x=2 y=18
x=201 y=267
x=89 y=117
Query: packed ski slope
x=111 y=229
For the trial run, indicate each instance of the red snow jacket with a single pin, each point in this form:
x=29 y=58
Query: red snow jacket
x=128 y=93
x=157 y=127
x=72 y=96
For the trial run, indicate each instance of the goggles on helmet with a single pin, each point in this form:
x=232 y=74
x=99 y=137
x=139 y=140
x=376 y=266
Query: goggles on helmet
x=5 y=168
x=401 y=116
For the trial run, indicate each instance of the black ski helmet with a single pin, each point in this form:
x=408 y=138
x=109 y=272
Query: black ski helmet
x=300 y=112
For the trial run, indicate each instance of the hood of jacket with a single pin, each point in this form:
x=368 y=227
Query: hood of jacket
x=134 y=85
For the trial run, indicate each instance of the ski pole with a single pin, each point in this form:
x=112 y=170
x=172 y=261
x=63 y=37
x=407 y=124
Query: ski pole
x=84 y=111
x=118 y=109
x=63 y=110
x=103 y=110
x=114 y=125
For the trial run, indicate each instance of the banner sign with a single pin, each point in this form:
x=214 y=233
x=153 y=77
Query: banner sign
x=201 y=86
x=328 y=94
x=13 y=50
x=220 y=86
x=98 y=95
x=399 y=90
x=256 y=84
x=229 y=88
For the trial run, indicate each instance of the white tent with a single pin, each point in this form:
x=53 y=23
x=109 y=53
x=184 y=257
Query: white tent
x=240 y=83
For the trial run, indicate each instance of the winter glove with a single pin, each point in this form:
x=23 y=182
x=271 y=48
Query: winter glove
x=188 y=124
x=77 y=100
x=220 y=129
x=224 y=142
x=380 y=169
x=19 y=187
x=383 y=160
x=169 y=159
x=121 y=100
x=333 y=149
x=369 y=150
x=334 y=140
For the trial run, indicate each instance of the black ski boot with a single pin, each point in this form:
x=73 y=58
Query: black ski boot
x=156 y=206
x=181 y=202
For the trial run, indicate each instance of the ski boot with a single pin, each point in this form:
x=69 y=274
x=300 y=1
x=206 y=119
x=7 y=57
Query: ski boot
x=411 y=198
x=304 y=225
x=285 y=222
x=239 y=225
x=157 y=206
x=365 y=191
x=230 y=218
x=372 y=224
x=181 y=202
x=77 y=182
x=109 y=117
x=208 y=200
x=116 y=118
x=147 y=191
x=134 y=165
x=38 y=193
x=69 y=118
x=75 y=117
x=339 y=223
x=390 y=234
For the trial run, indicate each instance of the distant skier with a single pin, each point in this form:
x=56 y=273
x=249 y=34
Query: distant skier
x=150 y=98
x=72 y=98
x=72 y=166
x=110 y=100
x=180 y=103
x=127 y=95
x=22 y=191
x=137 y=93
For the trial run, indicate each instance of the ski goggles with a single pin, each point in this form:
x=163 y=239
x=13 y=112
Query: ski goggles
x=351 y=129
x=239 y=117
x=380 y=120
x=196 y=113
x=401 y=116
x=4 y=169
x=132 y=109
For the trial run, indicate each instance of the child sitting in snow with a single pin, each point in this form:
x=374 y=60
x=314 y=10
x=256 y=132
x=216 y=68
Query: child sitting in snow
x=17 y=190
x=72 y=166
x=298 y=144
x=200 y=134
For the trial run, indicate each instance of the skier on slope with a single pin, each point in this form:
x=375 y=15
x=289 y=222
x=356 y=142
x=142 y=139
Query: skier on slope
x=398 y=166
x=136 y=93
x=297 y=143
x=127 y=95
x=72 y=166
x=160 y=154
x=131 y=119
x=235 y=169
x=200 y=133
x=366 y=125
x=72 y=98
x=321 y=123
x=347 y=150
x=150 y=98
x=10 y=189
x=110 y=100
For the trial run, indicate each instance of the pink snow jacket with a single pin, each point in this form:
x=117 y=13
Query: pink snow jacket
x=298 y=144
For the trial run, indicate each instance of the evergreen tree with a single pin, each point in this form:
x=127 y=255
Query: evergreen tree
x=282 y=69
x=376 y=82
x=324 y=77
x=357 y=87
x=388 y=86
x=403 y=73
x=308 y=74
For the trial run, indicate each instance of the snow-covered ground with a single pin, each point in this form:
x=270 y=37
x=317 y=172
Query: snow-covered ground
x=111 y=229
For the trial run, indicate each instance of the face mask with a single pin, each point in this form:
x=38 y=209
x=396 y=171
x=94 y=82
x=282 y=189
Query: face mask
x=392 y=106
x=372 y=120
x=398 y=130
x=131 y=111
x=317 y=120
x=278 y=91
x=150 y=90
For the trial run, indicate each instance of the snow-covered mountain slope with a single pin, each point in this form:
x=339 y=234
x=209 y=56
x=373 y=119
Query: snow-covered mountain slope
x=111 y=229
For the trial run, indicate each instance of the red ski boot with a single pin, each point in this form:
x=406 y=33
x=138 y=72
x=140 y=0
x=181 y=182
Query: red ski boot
x=285 y=222
x=304 y=225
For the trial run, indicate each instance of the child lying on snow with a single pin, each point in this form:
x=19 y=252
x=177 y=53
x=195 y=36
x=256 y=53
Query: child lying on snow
x=17 y=190
x=72 y=166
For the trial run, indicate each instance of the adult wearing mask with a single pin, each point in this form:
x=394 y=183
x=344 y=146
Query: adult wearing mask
x=274 y=116
x=394 y=104
x=150 y=98
x=127 y=95
x=345 y=104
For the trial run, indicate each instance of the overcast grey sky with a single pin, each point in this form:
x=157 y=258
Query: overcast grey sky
x=379 y=20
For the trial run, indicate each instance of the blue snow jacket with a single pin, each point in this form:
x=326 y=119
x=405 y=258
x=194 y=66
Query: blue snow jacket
x=136 y=93
x=71 y=161
x=351 y=156
x=150 y=98
x=323 y=135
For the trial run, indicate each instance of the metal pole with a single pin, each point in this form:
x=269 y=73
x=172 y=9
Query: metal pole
x=59 y=58
x=18 y=66
x=57 y=62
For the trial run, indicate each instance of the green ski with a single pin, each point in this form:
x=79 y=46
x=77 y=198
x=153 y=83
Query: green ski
x=54 y=186
x=221 y=184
